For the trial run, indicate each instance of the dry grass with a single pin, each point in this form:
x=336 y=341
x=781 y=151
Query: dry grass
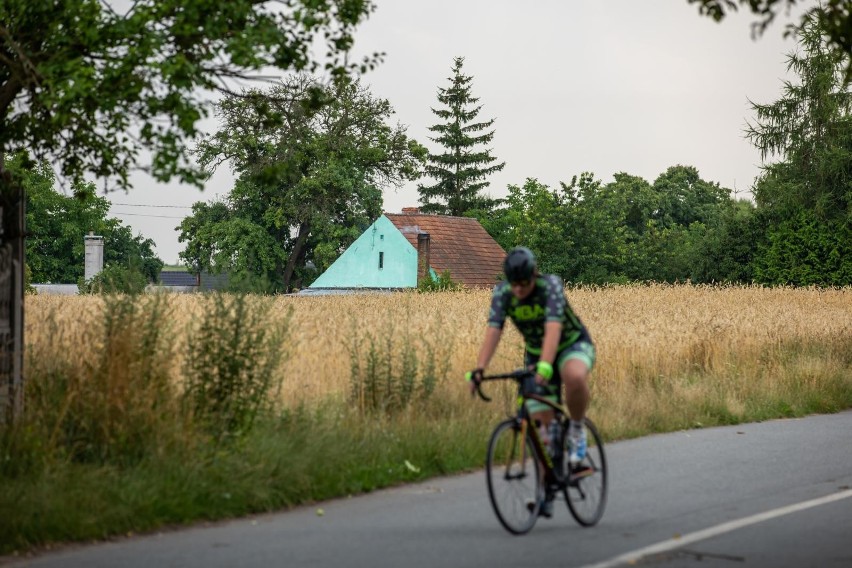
x=660 y=347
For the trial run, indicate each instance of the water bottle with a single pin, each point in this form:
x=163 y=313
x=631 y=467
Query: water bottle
x=555 y=440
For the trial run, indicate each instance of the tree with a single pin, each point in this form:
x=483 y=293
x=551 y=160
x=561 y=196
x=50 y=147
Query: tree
x=727 y=251
x=221 y=236
x=600 y=224
x=805 y=251
x=534 y=216
x=806 y=193
x=684 y=198
x=626 y=230
x=833 y=16
x=810 y=129
x=309 y=179
x=57 y=224
x=461 y=170
x=89 y=89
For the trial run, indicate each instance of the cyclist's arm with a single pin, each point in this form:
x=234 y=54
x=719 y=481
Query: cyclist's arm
x=489 y=346
x=550 y=343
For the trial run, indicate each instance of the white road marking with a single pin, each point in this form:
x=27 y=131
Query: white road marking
x=636 y=555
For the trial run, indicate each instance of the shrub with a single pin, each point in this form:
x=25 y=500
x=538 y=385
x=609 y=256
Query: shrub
x=115 y=279
x=443 y=283
x=233 y=357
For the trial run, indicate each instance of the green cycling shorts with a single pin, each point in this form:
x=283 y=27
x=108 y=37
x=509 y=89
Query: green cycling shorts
x=582 y=350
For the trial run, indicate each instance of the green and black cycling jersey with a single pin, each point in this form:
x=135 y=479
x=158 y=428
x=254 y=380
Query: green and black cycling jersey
x=545 y=303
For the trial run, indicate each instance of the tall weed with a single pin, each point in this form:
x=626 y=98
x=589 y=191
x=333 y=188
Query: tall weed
x=392 y=368
x=233 y=359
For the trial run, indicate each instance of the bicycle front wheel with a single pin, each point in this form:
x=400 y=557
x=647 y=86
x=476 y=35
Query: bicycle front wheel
x=586 y=489
x=514 y=484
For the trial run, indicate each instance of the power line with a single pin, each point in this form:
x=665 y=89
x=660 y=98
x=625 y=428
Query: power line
x=144 y=215
x=138 y=205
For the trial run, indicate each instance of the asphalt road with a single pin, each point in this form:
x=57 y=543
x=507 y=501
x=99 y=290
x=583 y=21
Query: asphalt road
x=776 y=494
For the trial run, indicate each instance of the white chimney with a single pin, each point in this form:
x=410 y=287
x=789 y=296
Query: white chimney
x=94 y=255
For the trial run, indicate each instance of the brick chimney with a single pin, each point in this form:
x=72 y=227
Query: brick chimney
x=423 y=260
x=410 y=210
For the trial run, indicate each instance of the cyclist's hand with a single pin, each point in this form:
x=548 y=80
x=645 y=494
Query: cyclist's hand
x=539 y=380
x=475 y=378
x=543 y=372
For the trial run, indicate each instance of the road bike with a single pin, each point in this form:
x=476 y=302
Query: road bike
x=520 y=469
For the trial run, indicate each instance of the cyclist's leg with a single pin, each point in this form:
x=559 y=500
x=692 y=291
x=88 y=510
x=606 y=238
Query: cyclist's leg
x=540 y=413
x=575 y=363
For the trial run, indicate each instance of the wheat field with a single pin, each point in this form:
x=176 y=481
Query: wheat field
x=111 y=422
x=659 y=347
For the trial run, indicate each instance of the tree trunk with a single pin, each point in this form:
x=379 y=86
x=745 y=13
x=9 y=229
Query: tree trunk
x=304 y=231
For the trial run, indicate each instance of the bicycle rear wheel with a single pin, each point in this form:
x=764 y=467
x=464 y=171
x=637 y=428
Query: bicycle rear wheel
x=514 y=484
x=586 y=489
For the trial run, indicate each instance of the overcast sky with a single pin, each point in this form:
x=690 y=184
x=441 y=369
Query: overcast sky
x=604 y=86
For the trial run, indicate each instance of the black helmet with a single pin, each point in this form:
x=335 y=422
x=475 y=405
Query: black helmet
x=519 y=264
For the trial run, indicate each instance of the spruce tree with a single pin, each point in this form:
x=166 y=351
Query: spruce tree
x=805 y=192
x=460 y=171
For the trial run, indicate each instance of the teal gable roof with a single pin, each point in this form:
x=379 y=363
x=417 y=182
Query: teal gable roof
x=380 y=258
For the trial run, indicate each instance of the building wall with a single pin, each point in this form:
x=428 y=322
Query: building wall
x=358 y=266
x=57 y=289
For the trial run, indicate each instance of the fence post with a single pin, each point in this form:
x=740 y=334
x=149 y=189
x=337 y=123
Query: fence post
x=12 y=267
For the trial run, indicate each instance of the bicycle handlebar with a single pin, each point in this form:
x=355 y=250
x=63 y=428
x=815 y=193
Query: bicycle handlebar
x=519 y=376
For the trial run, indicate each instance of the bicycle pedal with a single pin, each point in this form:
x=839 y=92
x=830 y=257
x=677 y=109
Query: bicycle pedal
x=580 y=473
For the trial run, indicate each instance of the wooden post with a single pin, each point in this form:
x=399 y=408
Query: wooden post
x=12 y=268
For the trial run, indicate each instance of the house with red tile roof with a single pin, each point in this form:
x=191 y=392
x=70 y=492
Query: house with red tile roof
x=400 y=249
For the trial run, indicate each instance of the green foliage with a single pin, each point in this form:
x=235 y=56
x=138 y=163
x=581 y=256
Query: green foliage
x=809 y=132
x=727 y=251
x=805 y=195
x=682 y=198
x=28 y=280
x=114 y=279
x=221 y=239
x=303 y=457
x=536 y=217
x=626 y=230
x=443 y=283
x=121 y=247
x=57 y=225
x=833 y=16
x=310 y=180
x=232 y=367
x=243 y=282
x=805 y=251
x=91 y=87
x=459 y=172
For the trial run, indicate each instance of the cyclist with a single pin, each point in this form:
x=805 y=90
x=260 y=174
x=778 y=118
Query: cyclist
x=557 y=345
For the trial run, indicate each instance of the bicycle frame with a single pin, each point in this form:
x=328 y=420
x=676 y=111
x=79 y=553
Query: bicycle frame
x=526 y=381
x=542 y=454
